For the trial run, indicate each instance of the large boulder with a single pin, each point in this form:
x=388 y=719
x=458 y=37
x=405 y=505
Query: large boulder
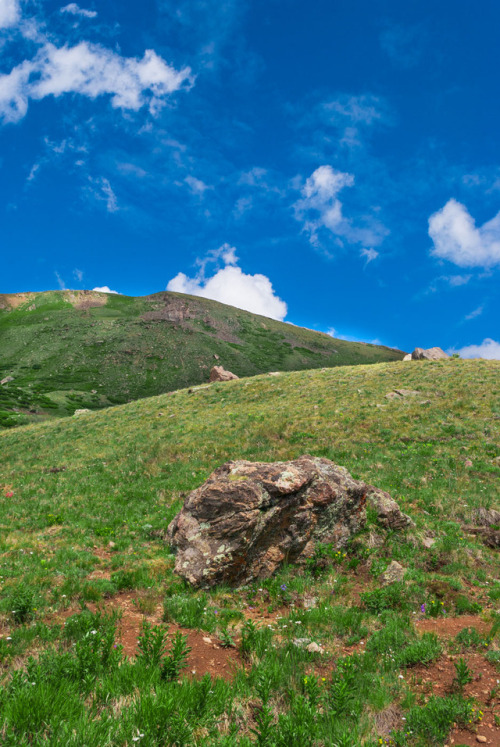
x=249 y=518
x=218 y=373
x=431 y=354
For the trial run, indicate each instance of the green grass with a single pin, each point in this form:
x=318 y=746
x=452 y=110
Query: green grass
x=126 y=472
x=69 y=350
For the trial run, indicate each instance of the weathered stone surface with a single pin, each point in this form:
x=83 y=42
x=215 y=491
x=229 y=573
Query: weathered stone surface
x=394 y=572
x=219 y=373
x=428 y=541
x=389 y=514
x=401 y=393
x=487 y=517
x=249 y=518
x=431 y=354
x=83 y=411
x=407 y=357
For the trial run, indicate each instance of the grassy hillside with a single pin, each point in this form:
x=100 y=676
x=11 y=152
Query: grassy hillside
x=69 y=350
x=85 y=503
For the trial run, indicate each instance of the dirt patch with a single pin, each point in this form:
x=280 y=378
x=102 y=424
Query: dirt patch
x=437 y=679
x=83 y=300
x=206 y=656
x=14 y=300
x=449 y=627
x=103 y=575
x=101 y=553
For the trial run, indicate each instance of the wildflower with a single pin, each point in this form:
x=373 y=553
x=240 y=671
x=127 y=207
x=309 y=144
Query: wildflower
x=283 y=587
x=422 y=608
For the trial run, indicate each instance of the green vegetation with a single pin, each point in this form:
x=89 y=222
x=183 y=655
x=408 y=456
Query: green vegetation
x=70 y=350
x=84 y=504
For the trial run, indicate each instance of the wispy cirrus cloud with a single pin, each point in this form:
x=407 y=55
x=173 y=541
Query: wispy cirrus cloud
x=320 y=209
x=474 y=314
x=403 y=43
x=100 y=189
x=75 y=10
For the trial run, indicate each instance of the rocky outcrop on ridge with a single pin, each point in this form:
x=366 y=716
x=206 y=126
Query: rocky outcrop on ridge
x=431 y=354
x=219 y=373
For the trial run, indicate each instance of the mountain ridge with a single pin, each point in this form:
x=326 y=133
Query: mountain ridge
x=68 y=350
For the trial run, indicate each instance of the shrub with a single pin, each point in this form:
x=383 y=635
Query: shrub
x=22 y=601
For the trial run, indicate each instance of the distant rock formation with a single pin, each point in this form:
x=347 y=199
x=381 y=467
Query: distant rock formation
x=249 y=518
x=407 y=357
x=218 y=373
x=431 y=354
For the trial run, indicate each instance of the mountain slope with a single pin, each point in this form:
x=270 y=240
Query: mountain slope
x=84 y=503
x=67 y=350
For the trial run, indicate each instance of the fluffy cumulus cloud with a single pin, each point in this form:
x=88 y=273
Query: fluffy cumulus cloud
x=457 y=238
x=320 y=208
x=105 y=289
x=10 y=13
x=230 y=285
x=75 y=10
x=90 y=70
x=489 y=349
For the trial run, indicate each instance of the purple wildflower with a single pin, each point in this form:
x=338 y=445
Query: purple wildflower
x=422 y=608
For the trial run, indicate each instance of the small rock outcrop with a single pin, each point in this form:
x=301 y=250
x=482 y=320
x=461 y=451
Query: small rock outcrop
x=249 y=518
x=431 y=354
x=407 y=357
x=82 y=411
x=487 y=517
x=394 y=572
x=218 y=373
x=401 y=393
x=389 y=514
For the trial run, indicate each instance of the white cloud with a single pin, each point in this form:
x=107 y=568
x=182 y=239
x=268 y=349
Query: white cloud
x=321 y=208
x=89 y=70
x=105 y=289
x=489 y=349
x=350 y=338
x=475 y=313
x=196 y=186
x=10 y=13
x=230 y=285
x=101 y=190
x=457 y=239
x=78 y=274
x=370 y=254
x=62 y=284
x=75 y=10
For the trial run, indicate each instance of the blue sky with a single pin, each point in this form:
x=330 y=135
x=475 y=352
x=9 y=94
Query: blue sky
x=335 y=164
